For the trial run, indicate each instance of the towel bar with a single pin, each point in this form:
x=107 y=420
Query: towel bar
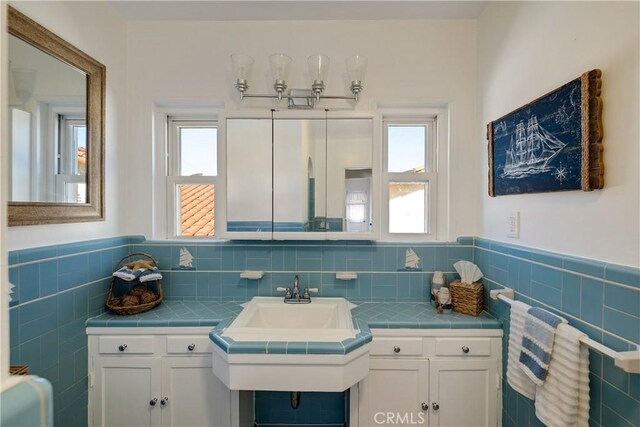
x=628 y=361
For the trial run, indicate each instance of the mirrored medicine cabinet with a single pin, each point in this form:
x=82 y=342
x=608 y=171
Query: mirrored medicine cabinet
x=301 y=178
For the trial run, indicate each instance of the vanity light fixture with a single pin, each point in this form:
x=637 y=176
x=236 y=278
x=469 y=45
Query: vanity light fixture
x=299 y=98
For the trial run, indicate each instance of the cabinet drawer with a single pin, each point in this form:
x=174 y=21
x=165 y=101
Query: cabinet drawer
x=126 y=344
x=188 y=345
x=463 y=347
x=396 y=346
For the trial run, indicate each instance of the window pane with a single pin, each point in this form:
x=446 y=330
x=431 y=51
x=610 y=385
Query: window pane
x=198 y=151
x=407 y=201
x=406 y=151
x=75 y=192
x=80 y=141
x=197 y=209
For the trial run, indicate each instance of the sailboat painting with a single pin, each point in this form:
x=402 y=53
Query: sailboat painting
x=551 y=144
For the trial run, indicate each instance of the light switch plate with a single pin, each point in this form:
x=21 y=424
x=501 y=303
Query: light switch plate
x=514 y=225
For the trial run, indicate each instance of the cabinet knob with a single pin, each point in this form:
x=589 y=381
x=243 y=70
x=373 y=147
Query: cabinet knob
x=425 y=406
x=153 y=402
x=122 y=347
x=191 y=347
x=164 y=401
x=465 y=349
x=435 y=406
x=396 y=349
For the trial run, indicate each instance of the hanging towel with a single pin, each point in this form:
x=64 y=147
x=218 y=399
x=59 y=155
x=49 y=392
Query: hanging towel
x=563 y=399
x=149 y=275
x=537 y=343
x=516 y=377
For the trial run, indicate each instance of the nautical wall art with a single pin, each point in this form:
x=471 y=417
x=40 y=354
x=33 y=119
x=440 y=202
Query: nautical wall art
x=551 y=144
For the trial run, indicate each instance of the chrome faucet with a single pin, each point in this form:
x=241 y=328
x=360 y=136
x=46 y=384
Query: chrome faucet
x=295 y=296
x=296 y=288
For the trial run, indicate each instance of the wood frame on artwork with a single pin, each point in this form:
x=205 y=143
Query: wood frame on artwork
x=559 y=148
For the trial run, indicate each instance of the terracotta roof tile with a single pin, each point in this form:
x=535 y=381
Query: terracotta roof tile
x=197 y=203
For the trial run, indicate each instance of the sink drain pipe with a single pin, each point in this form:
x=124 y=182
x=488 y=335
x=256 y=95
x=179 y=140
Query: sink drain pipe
x=295 y=399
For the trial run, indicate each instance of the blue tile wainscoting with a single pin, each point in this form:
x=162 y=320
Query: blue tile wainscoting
x=600 y=299
x=59 y=287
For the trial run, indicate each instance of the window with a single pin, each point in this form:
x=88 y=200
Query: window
x=71 y=156
x=192 y=177
x=410 y=178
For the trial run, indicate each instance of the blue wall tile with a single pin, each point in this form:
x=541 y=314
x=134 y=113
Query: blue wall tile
x=574 y=287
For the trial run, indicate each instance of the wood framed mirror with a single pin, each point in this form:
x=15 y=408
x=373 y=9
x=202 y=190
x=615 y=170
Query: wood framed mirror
x=56 y=128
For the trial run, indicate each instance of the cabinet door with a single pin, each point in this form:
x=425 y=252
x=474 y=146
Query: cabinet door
x=248 y=154
x=299 y=178
x=393 y=393
x=191 y=393
x=464 y=393
x=123 y=390
x=350 y=182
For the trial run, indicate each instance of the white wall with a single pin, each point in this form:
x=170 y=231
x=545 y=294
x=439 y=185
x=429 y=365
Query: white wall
x=415 y=63
x=97 y=29
x=527 y=49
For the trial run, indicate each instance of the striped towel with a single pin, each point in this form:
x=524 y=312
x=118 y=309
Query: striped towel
x=563 y=399
x=127 y=274
x=142 y=274
x=516 y=377
x=149 y=275
x=537 y=343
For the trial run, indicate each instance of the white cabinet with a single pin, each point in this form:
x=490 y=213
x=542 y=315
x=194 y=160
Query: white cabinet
x=444 y=378
x=122 y=389
x=144 y=377
x=394 y=393
x=463 y=393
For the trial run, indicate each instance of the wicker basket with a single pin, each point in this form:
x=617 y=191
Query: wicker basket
x=467 y=298
x=19 y=370
x=133 y=309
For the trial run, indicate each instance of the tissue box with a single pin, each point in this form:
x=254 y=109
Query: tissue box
x=467 y=298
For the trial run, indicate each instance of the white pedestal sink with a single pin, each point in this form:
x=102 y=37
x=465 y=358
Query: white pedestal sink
x=291 y=347
x=269 y=319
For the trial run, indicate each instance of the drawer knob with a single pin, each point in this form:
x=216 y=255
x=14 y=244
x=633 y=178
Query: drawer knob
x=396 y=349
x=122 y=347
x=425 y=406
x=435 y=406
x=465 y=349
x=153 y=402
x=191 y=347
x=164 y=401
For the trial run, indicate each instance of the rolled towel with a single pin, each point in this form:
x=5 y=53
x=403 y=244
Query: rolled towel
x=127 y=274
x=537 y=343
x=516 y=377
x=149 y=275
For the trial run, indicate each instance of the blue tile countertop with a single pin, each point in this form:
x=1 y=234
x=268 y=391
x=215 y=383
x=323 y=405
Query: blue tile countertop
x=366 y=316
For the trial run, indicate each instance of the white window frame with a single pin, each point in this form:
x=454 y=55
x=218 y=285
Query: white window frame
x=173 y=179
x=435 y=175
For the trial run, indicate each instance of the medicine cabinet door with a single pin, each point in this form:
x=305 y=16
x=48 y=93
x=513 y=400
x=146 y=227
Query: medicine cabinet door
x=249 y=179
x=350 y=178
x=299 y=179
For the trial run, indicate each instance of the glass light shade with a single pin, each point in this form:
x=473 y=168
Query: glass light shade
x=318 y=67
x=241 y=65
x=356 y=68
x=280 y=64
